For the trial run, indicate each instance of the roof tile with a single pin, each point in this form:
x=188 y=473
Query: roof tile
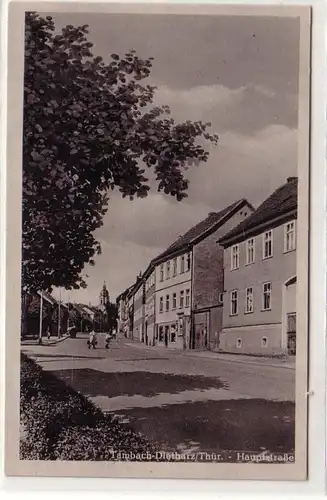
x=197 y=230
x=282 y=201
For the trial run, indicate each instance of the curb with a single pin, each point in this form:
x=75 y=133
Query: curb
x=247 y=362
x=52 y=342
x=217 y=357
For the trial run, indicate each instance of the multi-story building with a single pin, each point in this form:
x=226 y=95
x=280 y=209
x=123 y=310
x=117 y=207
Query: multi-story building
x=130 y=313
x=138 y=310
x=149 y=311
x=189 y=282
x=260 y=278
x=122 y=312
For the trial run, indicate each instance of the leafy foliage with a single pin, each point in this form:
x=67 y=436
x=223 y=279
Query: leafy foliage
x=60 y=424
x=89 y=127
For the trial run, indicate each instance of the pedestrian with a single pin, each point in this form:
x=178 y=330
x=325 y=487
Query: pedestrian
x=107 y=340
x=92 y=342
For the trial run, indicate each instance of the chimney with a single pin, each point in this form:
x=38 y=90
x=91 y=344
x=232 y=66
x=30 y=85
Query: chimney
x=291 y=179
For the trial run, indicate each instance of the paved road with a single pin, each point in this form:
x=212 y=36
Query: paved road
x=187 y=402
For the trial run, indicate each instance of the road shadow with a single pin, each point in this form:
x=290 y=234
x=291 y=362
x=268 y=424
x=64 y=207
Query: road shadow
x=97 y=383
x=214 y=426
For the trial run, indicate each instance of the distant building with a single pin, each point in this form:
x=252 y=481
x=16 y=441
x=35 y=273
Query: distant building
x=189 y=282
x=138 y=327
x=122 y=303
x=150 y=311
x=260 y=278
x=130 y=313
x=54 y=315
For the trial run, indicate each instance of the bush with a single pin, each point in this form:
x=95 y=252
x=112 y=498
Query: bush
x=61 y=424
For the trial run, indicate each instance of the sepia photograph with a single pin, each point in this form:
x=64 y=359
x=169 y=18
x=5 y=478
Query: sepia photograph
x=161 y=156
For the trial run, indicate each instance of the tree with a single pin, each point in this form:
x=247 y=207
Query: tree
x=89 y=127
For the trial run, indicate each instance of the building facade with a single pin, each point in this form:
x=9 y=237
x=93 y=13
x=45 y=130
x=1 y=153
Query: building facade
x=190 y=283
x=130 y=314
x=173 y=280
x=123 y=303
x=259 y=313
x=138 y=311
x=149 y=310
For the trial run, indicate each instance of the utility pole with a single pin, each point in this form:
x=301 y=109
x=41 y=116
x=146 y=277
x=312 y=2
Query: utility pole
x=41 y=318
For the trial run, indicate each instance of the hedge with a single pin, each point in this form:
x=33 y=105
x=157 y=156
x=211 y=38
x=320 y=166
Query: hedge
x=59 y=423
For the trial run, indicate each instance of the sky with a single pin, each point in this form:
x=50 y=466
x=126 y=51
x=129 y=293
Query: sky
x=238 y=72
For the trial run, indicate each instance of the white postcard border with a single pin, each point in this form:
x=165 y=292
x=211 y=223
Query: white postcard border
x=13 y=293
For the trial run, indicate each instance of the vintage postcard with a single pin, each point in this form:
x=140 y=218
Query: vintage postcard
x=157 y=272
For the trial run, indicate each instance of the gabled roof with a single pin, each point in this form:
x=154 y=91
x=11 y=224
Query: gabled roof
x=201 y=230
x=282 y=202
x=48 y=298
x=78 y=307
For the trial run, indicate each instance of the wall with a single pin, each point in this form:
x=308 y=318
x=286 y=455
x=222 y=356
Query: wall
x=138 y=319
x=208 y=274
x=149 y=310
x=251 y=337
x=173 y=280
x=277 y=269
x=174 y=284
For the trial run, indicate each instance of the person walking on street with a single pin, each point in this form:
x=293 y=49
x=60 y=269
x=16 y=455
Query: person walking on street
x=107 y=340
x=92 y=342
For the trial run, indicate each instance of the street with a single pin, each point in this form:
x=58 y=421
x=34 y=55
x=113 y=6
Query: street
x=185 y=401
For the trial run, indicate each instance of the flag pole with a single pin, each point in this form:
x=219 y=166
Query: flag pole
x=59 y=311
x=41 y=318
x=68 y=313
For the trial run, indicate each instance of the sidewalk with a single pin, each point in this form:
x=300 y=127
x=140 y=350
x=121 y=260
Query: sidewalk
x=288 y=363
x=45 y=341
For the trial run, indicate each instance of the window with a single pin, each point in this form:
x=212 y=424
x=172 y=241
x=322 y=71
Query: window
x=187 y=298
x=264 y=342
x=266 y=296
x=234 y=303
x=182 y=264
x=157 y=332
x=175 y=267
x=289 y=237
x=168 y=270
x=249 y=300
x=167 y=302
x=173 y=333
x=239 y=343
x=221 y=298
x=250 y=251
x=181 y=299
x=161 y=272
x=235 y=260
x=174 y=301
x=188 y=262
x=161 y=304
x=161 y=334
x=267 y=245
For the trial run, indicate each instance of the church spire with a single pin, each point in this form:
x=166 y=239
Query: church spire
x=104 y=295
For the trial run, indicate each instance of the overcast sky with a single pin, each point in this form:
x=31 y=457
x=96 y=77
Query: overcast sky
x=239 y=73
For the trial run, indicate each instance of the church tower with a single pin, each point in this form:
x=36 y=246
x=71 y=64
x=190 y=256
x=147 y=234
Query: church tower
x=104 y=296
